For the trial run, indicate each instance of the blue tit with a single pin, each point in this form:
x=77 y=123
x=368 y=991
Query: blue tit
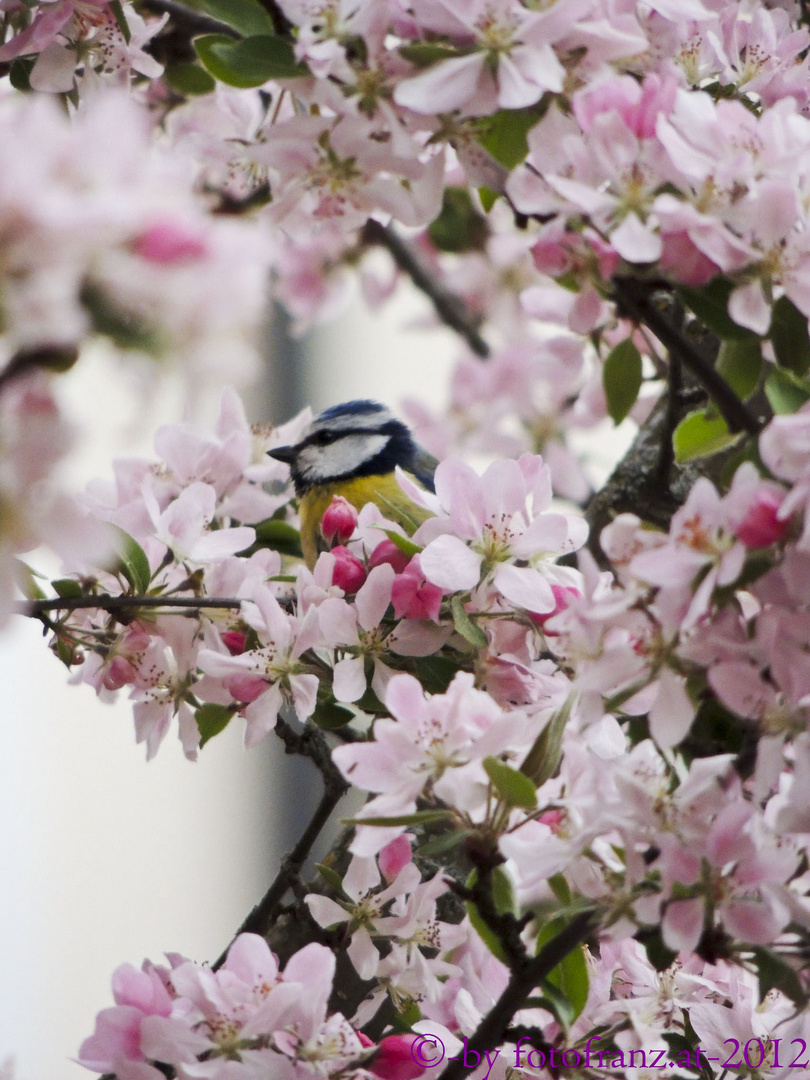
x=352 y=450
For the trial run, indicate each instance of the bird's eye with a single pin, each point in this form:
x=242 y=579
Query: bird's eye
x=323 y=438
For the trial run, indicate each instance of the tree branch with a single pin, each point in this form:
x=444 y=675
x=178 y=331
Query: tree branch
x=262 y=917
x=634 y=304
x=54 y=358
x=34 y=608
x=450 y=308
x=493 y=1027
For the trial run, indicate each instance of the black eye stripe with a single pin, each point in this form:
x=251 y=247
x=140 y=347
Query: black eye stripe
x=324 y=437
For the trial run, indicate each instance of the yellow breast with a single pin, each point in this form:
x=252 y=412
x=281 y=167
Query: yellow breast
x=382 y=490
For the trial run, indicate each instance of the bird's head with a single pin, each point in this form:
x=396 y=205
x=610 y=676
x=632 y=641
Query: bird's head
x=357 y=438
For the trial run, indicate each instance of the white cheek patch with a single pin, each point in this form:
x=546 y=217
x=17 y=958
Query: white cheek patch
x=319 y=463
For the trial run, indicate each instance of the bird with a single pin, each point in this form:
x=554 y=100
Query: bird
x=352 y=449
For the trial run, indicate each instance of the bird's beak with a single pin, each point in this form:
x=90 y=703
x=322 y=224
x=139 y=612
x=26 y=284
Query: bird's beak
x=283 y=453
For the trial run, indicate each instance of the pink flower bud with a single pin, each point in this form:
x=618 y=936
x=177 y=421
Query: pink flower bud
x=234 y=642
x=364 y=1039
x=761 y=525
x=413 y=597
x=552 y=818
x=119 y=672
x=388 y=552
x=339 y=520
x=563 y=594
x=348 y=573
x=166 y=243
x=394 y=1059
x=396 y=854
x=244 y=687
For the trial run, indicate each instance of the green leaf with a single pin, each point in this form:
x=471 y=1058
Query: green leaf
x=740 y=364
x=505 y=134
x=211 y=720
x=419 y=817
x=785 y=391
x=25 y=578
x=189 y=79
x=120 y=18
x=459 y=227
x=464 y=625
x=246 y=16
x=132 y=561
x=774 y=972
x=279 y=535
x=543 y=760
x=503 y=899
x=698 y=435
x=570 y=976
x=330 y=716
x=332 y=879
x=513 y=787
x=560 y=887
x=424 y=54
x=20 y=74
x=440 y=845
x=249 y=62
x=710 y=304
x=789 y=336
x=67 y=588
x=621 y=378
x=488 y=198
x=435 y=673
x=402 y=542
x=126 y=328
x=659 y=955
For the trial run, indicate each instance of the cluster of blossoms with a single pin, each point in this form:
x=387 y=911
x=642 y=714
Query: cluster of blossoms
x=272 y=1022
x=569 y=750
x=116 y=244
x=651 y=137
x=624 y=750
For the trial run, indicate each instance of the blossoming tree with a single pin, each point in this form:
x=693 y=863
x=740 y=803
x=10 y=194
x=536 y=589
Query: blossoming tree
x=581 y=717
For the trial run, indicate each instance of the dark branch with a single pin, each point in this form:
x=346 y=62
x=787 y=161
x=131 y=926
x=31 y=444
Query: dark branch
x=493 y=1027
x=43 y=358
x=312 y=744
x=262 y=917
x=34 y=608
x=505 y=926
x=450 y=308
x=633 y=303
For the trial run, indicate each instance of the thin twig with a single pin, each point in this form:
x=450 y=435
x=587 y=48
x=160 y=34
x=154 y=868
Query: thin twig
x=450 y=308
x=312 y=744
x=493 y=1027
x=634 y=304
x=34 y=608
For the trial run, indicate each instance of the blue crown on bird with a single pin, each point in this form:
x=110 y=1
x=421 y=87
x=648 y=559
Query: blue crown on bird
x=353 y=439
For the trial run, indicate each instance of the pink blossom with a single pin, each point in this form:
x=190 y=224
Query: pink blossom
x=348 y=573
x=487 y=523
x=413 y=596
x=168 y=242
x=394 y=1059
x=339 y=520
x=394 y=856
x=388 y=552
